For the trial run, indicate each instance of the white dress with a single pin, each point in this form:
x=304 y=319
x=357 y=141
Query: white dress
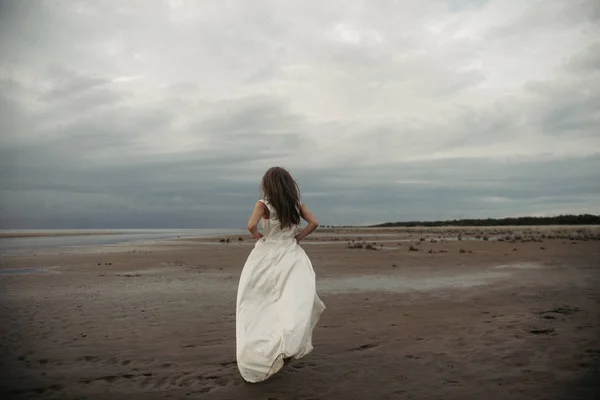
x=277 y=303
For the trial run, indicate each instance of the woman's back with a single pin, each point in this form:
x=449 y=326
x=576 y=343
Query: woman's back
x=272 y=226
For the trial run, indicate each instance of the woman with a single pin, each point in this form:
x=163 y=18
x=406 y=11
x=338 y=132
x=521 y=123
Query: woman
x=277 y=303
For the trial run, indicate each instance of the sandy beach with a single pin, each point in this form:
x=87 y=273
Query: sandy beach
x=411 y=314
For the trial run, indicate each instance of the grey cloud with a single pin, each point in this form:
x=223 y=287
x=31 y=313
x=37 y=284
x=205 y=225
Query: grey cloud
x=459 y=188
x=586 y=61
x=251 y=116
x=549 y=17
x=72 y=87
x=237 y=134
x=12 y=117
x=166 y=114
x=568 y=106
x=454 y=187
x=462 y=5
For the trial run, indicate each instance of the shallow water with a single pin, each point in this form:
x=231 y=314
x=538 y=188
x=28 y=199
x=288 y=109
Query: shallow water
x=519 y=266
x=21 y=271
x=98 y=237
x=402 y=283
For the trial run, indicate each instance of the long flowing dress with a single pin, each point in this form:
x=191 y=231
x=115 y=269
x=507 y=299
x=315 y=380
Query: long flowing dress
x=277 y=303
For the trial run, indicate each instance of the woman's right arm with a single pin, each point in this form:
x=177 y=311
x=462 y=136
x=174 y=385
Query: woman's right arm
x=309 y=217
x=257 y=214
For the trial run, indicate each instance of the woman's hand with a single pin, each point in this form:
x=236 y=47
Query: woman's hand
x=298 y=238
x=258 y=236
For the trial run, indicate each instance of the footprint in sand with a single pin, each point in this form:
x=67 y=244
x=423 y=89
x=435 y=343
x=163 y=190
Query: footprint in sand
x=228 y=364
x=562 y=310
x=150 y=381
x=542 y=331
x=46 y=389
x=366 y=347
x=302 y=365
x=451 y=383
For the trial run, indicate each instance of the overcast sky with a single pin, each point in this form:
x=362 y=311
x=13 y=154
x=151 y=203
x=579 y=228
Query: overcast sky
x=147 y=113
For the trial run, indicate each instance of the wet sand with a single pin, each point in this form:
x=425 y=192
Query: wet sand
x=451 y=319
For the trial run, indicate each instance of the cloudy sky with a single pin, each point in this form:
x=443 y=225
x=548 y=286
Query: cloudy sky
x=148 y=113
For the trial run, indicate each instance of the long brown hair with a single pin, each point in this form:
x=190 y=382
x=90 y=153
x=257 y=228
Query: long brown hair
x=281 y=190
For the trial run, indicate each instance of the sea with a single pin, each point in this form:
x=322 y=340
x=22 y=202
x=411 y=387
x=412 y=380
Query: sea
x=78 y=238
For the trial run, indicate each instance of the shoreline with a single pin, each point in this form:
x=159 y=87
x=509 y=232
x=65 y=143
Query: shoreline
x=523 y=229
x=494 y=233
x=8 y=235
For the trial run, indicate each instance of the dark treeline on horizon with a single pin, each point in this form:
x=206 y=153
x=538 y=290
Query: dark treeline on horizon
x=583 y=219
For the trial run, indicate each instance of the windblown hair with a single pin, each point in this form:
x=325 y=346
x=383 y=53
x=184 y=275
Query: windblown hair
x=281 y=190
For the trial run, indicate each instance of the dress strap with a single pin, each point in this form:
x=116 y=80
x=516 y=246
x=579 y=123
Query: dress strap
x=266 y=203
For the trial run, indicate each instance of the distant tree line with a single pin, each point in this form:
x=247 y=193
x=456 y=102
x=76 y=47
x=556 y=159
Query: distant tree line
x=583 y=219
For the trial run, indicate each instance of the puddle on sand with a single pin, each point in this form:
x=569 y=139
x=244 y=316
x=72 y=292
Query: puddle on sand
x=519 y=266
x=21 y=271
x=401 y=284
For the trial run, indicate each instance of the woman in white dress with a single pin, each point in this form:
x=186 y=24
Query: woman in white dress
x=277 y=303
